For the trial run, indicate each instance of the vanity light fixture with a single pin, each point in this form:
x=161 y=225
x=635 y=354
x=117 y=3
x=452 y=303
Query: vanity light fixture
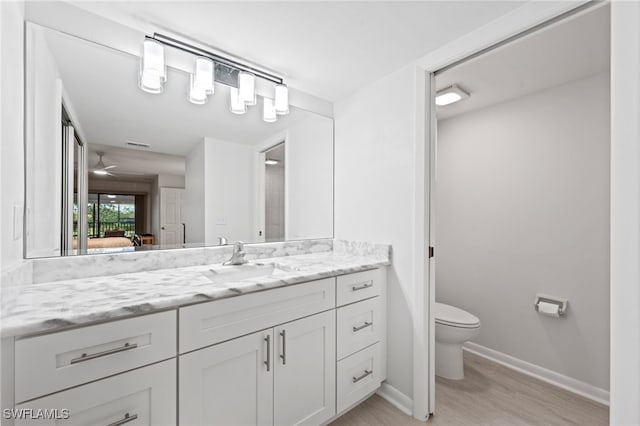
x=197 y=95
x=203 y=76
x=247 y=88
x=269 y=114
x=450 y=95
x=237 y=104
x=281 y=99
x=211 y=67
x=271 y=162
x=153 y=72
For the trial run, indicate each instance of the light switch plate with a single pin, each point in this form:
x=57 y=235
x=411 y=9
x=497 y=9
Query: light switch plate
x=221 y=220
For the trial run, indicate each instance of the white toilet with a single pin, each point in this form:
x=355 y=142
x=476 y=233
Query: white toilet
x=453 y=327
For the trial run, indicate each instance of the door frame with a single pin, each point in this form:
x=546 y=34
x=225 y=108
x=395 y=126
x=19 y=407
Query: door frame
x=527 y=17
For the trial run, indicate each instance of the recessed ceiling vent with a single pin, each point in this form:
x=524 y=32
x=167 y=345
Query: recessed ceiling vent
x=137 y=144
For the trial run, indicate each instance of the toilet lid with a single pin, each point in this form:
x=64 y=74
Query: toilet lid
x=450 y=315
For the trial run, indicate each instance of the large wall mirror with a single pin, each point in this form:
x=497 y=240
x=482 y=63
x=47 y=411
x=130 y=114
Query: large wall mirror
x=111 y=168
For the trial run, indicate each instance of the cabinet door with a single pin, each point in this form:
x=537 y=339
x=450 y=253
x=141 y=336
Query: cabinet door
x=305 y=379
x=228 y=384
x=146 y=396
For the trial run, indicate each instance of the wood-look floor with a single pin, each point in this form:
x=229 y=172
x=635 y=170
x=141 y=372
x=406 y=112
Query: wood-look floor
x=490 y=394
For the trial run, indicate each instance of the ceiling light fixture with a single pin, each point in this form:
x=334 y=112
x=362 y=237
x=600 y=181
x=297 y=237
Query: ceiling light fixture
x=152 y=73
x=211 y=67
x=111 y=196
x=450 y=95
x=281 y=99
x=269 y=114
x=271 y=162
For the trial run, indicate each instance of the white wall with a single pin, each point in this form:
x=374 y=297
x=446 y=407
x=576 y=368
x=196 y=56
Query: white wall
x=230 y=179
x=522 y=207
x=193 y=207
x=374 y=198
x=309 y=179
x=11 y=146
x=220 y=192
x=44 y=148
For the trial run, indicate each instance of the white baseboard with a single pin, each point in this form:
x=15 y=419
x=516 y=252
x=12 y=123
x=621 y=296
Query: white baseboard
x=565 y=382
x=399 y=400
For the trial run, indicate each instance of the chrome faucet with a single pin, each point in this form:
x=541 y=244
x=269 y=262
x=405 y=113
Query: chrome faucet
x=222 y=241
x=237 y=258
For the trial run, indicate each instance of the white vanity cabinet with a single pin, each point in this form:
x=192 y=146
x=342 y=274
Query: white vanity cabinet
x=228 y=384
x=145 y=396
x=304 y=371
x=297 y=354
x=283 y=376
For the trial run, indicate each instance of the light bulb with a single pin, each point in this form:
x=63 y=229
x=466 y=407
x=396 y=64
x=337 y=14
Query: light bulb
x=247 y=87
x=153 y=72
x=282 y=99
x=269 y=111
x=197 y=95
x=204 y=75
x=237 y=105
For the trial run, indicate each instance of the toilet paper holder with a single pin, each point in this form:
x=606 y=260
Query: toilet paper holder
x=559 y=301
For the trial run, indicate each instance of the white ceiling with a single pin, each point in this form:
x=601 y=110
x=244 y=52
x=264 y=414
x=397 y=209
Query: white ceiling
x=566 y=51
x=102 y=88
x=326 y=48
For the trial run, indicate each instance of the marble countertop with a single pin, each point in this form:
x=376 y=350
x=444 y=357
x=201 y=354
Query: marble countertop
x=50 y=307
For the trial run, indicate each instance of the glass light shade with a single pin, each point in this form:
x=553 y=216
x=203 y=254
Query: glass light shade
x=237 y=105
x=269 y=111
x=204 y=75
x=153 y=72
x=247 y=87
x=197 y=95
x=282 y=99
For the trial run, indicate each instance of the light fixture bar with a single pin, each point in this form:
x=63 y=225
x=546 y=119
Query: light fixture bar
x=218 y=59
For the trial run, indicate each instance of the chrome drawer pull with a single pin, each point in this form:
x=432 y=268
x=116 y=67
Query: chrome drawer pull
x=86 y=357
x=268 y=361
x=363 y=326
x=362 y=376
x=127 y=418
x=283 y=334
x=363 y=286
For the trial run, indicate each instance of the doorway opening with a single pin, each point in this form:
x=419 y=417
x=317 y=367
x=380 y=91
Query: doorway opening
x=521 y=206
x=274 y=188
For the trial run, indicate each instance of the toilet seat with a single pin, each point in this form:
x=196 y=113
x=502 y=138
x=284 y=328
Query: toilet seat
x=454 y=317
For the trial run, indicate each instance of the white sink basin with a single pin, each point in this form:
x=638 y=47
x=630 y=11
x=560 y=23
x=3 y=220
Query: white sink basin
x=240 y=272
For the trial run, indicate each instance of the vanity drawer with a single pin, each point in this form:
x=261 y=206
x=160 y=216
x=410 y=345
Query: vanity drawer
x=146 y=396
x=358 y=376
x=359 y=286
x=52 y=362
x=208 y=323
x=359 y=326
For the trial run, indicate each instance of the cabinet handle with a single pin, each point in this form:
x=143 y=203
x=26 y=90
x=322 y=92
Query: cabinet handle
x=283 y=334
x=268 y=361
x=126 y=419
x=362 y=376
x=87 y=357
x=363 y=286
x=363 y=326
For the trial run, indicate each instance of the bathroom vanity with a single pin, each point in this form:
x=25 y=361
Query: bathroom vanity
x=301 y=344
